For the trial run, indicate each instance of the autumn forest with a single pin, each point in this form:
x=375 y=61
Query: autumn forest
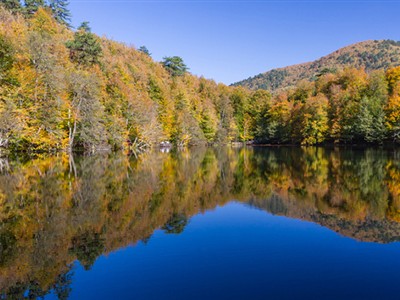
x=65 y=89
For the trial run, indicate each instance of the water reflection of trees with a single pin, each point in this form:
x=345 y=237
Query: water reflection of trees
x=55 y=210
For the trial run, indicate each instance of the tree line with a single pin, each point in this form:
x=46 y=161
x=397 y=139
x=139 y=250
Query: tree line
x=348 y=106
x=72 y=90
x=58 y=8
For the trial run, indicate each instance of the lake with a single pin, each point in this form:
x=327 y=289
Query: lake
x=205 y=223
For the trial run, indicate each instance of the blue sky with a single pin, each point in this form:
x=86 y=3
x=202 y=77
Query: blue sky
x=232 y=40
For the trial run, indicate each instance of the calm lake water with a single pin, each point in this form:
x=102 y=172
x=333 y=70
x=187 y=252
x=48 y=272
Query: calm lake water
x=223 y=223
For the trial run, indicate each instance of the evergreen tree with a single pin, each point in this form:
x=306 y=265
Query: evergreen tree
x=85 y=49
x=6 y=58
x=12 y=5
x=144 y=50
x=174 y=65
x=85 y=27
x=61 y=12
x=176 y=224
x=31 y=6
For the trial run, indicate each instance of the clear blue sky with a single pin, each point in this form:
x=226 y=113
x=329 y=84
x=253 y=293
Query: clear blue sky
x=232 y=40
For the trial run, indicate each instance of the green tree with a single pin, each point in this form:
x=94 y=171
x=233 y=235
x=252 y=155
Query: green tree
x=6 y=59
x=85 y=26
x=31 y=6
x=351 y=87
x=61 y=12
x=87 y=247
x=174 y=65
x=259 y=105
x=85 y=48
x=239 y=101
x=371 y=118
x=12 y=5
x=176 y=224
x=278 y=124
x=144 y=50
x=392 y=107
x=206 y=126
x=225 y=131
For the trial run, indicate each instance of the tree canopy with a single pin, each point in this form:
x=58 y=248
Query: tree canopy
x=31 y=6
x=144 y=50
x=12 y=5
x=175 y=65
x=85 y=48
x=60 y=11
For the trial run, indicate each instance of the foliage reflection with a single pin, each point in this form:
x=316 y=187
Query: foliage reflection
x=56 y=210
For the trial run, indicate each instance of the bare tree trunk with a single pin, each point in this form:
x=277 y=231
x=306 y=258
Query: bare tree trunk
x=72 y=166
x=72 y=136
x=36 y=85
x=72 y=130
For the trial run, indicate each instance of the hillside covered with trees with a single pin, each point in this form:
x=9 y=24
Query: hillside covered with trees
x=367 y=55
x=64 y=89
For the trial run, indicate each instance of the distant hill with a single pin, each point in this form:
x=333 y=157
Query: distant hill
x=371 y=55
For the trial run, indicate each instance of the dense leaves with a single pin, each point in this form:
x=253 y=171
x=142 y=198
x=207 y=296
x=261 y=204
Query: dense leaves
x=75 y=91
x=6 y=58
x=175 y=65
x=31 y=6
x=12 y=5
x=85 y=48
x=350 y=106
x=60 y=11
x=58 y=8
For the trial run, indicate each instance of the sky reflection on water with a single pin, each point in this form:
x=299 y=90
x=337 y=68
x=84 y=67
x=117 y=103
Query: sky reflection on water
x=211 y=223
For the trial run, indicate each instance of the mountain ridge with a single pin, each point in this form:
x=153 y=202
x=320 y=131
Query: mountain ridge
x=369 y=55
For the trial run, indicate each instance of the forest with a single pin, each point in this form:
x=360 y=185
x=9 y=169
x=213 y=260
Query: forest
x=65 y=89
